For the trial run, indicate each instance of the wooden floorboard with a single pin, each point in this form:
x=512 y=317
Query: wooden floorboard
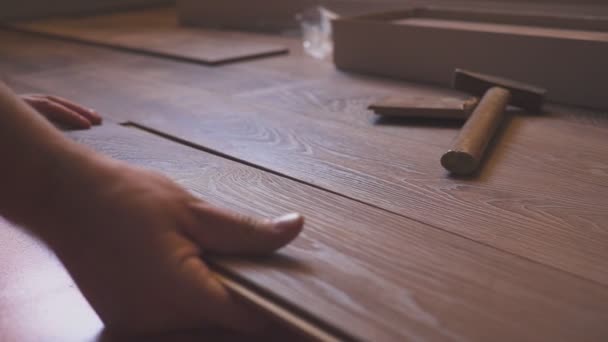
x=296 y=82
x=377 y=275
x=345 y=97
x=155 y=31
x=535 y=197
x=541 y=195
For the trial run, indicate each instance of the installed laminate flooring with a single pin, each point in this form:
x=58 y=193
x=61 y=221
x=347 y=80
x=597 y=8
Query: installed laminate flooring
x=156 y=32
x=400 y=280
x=534 y=197
x=541 y=194
x=296 y=82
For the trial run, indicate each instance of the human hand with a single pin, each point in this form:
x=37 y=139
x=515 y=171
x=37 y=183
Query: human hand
x=132 y=240
x=62 y=111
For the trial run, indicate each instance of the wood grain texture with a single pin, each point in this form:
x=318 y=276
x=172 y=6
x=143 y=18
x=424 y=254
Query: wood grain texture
x=23 y=53
x=156 y=32
x=374 y=274
x=413 y=280
x=294 y=82
x=537 y=196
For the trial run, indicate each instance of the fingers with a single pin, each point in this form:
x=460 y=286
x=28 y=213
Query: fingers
x=223 y=231
x=93 y=117
x=60 y=114
x=62 y=111
x=219 y=230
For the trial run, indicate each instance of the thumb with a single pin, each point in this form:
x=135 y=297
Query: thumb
x=224 y=231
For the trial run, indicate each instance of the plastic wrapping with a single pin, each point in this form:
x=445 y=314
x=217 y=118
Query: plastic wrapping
x=317 y=32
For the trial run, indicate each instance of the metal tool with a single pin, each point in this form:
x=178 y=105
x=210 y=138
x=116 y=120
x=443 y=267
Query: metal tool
x=468 y=149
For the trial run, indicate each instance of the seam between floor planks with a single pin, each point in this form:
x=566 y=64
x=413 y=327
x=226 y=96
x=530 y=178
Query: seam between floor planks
x=518 y=255
x=476 y=240
x=304 y=322
x=451 y=237
x=155 y=54
x=211 y=151
x=587 y=120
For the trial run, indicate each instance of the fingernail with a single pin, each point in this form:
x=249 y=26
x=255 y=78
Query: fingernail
x=289 y=220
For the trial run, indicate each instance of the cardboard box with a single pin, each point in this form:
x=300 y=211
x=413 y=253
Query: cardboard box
x=568 y=55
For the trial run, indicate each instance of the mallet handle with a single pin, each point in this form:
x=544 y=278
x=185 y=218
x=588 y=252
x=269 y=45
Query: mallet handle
x=468 y=148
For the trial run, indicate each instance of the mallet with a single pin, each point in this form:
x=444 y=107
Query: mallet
x=468 y=148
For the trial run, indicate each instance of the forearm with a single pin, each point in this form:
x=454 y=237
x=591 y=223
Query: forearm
x=34 y=155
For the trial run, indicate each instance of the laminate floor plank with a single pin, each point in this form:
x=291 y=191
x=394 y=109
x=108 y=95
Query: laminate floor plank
x=24 y=54
x=346 y=97
x=296 y=82
x=541 y=195
x=339 y=97
x=377 y=275
x=156 y=31
x=512 y=206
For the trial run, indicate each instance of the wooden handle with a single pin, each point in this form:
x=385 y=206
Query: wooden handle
x=468 y=148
